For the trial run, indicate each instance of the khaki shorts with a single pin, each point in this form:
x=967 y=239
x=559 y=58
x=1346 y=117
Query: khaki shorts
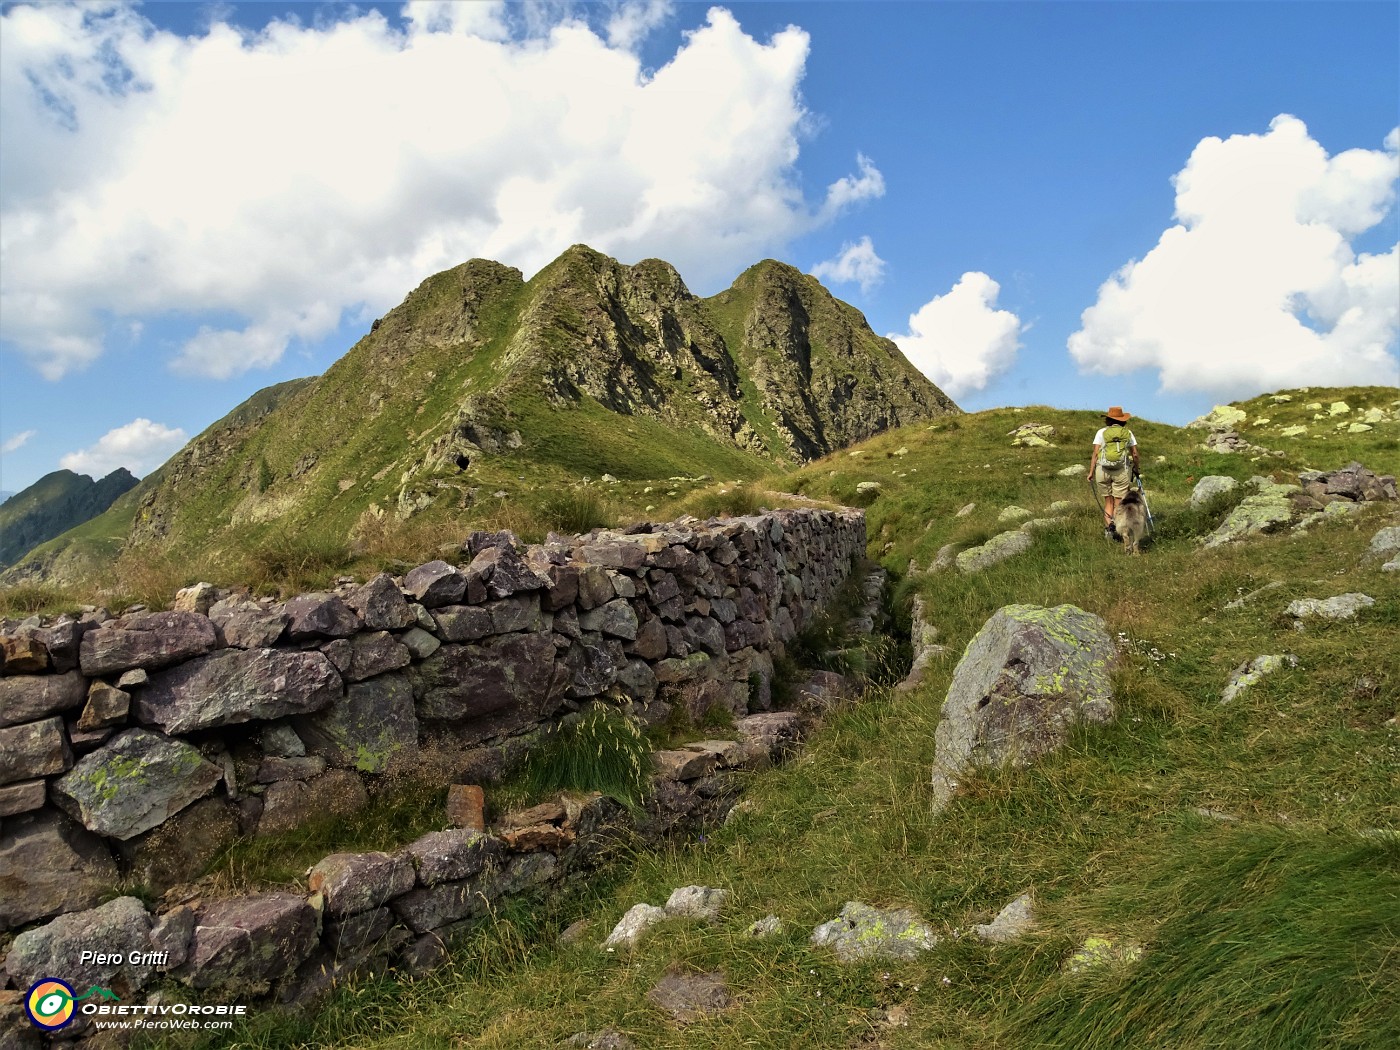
x=1114 y=481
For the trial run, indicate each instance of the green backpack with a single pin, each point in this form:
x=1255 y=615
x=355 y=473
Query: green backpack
x=1115 y=445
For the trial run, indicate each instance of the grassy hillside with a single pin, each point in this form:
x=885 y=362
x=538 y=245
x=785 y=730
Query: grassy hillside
x=1250 y=850
x=488 y=401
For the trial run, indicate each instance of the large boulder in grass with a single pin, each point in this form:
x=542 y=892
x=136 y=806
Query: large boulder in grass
x=1029 y=676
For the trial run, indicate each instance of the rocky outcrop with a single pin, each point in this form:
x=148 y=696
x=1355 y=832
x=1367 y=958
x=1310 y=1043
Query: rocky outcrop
x=1027 y=678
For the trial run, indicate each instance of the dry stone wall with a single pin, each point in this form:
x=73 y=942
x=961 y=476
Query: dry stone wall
x=140 y=747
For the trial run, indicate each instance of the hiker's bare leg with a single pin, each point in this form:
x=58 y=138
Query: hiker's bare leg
x=1108 y=504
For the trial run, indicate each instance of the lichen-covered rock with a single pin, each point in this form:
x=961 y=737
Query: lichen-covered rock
x=1385 y=544
x=997 y=549
x=1340 y=607
x=244 y=943
x=1098 y=952
x=116 y=934
x=1269 y=507
x=372 y=727
x=1013 y=514
x=28 y=698
x=453 y=855
x=1023 y=682
x=1011 y=923
x=863 y=932
x=136 y=781
x=238 y=685
x=697 y=902
x=1251 y=671
x=1209 y=487
x=146 y=640
x=35 y=749
x=1220 y=416
x=374 y=654
x=629 y=929
x=355 y=882
x=50 y=864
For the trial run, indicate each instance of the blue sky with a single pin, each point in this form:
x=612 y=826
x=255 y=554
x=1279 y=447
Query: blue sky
x=197 y=201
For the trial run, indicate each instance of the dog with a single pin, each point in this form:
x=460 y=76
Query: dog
x=1130 y=520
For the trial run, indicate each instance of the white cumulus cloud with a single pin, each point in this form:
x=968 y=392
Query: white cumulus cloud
x=264 y=185
x=1257 y=286
x=16 y=441
x=140 y=447
x=855 y=264
x=960 y=340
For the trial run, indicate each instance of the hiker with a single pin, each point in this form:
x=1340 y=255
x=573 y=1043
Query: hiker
x=1114 y=463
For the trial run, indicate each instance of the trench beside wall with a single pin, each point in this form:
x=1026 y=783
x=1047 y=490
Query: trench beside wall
x=138 y=748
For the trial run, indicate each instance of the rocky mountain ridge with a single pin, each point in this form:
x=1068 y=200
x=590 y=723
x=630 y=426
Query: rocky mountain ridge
x=482 y=382
x=53 y=505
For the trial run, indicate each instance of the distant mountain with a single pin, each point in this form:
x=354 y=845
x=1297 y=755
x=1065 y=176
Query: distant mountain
x=482 y=385
x=53 y=505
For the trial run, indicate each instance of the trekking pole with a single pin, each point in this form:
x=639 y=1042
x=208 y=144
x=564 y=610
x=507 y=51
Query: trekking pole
x=1151 y=525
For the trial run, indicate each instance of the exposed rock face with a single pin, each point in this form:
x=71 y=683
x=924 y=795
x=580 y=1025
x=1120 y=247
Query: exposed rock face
x=1269 y=507
x=1028 y=676
x=1251 y=671
x=235 y=686
x=134 y=782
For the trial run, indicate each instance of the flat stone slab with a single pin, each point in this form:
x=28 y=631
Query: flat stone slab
x=1341 y=607
x=28 y=698
x=146 y=640
x=135 y=782
x=688 y=997
x=236 y=686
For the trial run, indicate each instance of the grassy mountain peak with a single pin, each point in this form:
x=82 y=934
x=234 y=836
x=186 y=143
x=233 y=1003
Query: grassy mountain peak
x=483 y=396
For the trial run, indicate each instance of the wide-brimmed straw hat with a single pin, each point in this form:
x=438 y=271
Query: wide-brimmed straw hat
x=1116 y=412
